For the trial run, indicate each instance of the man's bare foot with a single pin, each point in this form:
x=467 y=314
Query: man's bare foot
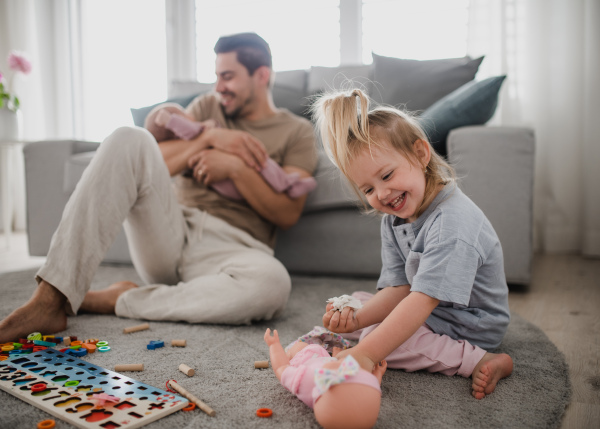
x=491 y=368
x=104 y=301
x=44 y=313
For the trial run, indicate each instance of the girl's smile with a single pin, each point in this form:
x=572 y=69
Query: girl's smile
x=391 y=183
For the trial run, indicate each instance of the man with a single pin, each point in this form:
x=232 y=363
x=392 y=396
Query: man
x=206 y=260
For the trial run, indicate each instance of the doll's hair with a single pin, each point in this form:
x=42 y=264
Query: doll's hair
x=251 y=49
x=348 y=125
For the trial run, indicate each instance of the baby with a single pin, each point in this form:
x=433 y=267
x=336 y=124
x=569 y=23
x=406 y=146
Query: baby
x=168 y=121
x=341 y=393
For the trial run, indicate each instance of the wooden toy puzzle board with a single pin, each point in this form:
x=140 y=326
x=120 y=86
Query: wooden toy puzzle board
x=139 y=403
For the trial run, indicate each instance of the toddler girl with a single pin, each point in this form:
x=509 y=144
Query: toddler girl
x=442 y=299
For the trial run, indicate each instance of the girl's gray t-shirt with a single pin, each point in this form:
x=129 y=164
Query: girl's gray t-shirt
x=451 y=253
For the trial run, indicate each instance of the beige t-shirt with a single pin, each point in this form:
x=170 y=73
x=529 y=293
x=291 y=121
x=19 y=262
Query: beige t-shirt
x=289 y=140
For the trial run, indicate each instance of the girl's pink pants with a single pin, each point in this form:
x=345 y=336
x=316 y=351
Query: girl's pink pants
x=426 y=350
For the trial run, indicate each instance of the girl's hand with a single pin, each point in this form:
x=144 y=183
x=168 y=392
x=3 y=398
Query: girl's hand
x=363 y=360
x=340 y=322
x=270 y=340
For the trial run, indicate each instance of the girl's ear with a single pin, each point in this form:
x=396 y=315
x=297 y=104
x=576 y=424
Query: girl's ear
x=423 y=151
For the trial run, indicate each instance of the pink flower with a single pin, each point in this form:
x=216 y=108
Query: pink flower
x=18 y=62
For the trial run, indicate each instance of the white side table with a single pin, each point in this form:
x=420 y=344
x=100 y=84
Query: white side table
x=7 y=149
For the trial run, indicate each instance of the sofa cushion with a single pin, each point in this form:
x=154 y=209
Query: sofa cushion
x=474 y=103
x=326 y=78
x=74 y=167
x=418 y=84
x=289 y=91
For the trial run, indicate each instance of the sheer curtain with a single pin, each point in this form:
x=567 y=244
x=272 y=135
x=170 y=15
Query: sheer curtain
x=550 y=51
x=42 y=31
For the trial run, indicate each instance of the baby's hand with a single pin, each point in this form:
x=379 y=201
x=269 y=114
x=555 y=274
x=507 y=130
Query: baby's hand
x=340 y=322
x=270 y=340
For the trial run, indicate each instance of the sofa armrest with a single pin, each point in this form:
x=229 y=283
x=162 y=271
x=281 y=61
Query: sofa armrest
x=44 y=180
x=495 y=168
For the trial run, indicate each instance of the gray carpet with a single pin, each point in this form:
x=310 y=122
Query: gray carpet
x=535 y=396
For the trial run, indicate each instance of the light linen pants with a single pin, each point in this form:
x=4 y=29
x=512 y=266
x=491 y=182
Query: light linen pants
x=426 y=350
x=198 y=268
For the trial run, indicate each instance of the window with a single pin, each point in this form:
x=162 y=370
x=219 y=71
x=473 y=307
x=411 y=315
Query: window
x=419 y=30
x=300 y=33
x=123 y=62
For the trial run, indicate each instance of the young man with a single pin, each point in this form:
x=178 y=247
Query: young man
x=204 y=258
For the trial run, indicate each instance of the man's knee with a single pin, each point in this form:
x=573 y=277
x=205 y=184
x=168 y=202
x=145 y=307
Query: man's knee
x=128 y=139
x=271 y=288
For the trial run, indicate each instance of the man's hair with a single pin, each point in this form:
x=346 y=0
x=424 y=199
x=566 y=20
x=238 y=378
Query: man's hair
x=251 y=49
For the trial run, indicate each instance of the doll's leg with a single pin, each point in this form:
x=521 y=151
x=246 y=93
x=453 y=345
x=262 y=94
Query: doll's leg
x=276 y=177
x=426 y=350
x=127 y=180
x=302 y=186
x=227 y=277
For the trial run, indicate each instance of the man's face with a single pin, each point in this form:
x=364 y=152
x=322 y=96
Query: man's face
x=235 y=86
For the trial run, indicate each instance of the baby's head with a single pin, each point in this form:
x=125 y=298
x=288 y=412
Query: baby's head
x=351 y=130
x=156 y=127
x=353 y=402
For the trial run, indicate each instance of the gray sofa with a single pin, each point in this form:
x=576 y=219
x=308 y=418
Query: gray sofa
x=333 y=237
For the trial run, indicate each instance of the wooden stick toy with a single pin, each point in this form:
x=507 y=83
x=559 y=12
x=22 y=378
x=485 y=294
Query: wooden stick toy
x=261 y=364
x=186 y=370
x=174 y=385
x=136 y=328
x=129 y=367
x=178 y=343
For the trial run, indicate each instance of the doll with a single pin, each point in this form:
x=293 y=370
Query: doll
x=168 y=121
x=342 y=394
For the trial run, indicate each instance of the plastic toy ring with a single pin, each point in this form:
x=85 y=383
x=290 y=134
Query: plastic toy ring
x=167 y=384
x=101 y=343
x=190 y=407
x=264 y=412
x=38 y=387
x=46 y=424
x=103 y=349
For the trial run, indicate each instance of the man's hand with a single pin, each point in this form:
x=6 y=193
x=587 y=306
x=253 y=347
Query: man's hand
x=340 y=322
x=239 y=143
x=212 y=165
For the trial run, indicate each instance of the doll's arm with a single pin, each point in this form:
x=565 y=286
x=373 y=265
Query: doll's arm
x=279 y=360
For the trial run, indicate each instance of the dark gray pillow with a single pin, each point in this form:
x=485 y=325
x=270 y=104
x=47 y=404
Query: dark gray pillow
x=474 y=103
x=139 y=115
x=289 y=91
x=415 y=84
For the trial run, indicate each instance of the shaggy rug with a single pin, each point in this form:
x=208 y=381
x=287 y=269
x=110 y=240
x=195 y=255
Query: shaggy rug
x=534 y=396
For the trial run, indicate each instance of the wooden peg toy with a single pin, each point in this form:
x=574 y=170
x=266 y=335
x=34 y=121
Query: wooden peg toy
x=186 y=370
x=129 y=367
x=175 y=386
x=261 y=364
x=136 y=328
x=178 y=343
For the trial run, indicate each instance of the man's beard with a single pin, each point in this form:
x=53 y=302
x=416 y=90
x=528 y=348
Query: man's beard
x=237 y=113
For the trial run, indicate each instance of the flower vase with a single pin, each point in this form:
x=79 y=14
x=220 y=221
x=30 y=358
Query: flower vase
x=10 y=125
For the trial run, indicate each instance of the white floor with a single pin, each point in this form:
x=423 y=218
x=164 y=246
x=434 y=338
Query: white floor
x=16 y=256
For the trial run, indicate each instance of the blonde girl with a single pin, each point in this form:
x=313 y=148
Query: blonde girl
x=442 y=300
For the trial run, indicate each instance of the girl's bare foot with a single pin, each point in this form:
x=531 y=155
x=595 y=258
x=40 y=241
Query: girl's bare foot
x=490 y=369
x=104 y=301
x=44 y=313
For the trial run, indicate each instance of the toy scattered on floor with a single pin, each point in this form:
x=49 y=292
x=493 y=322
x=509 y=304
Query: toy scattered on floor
x=186 y=370
x=174 y=385
x=341 y=393
x=136 y=328
x=153 y=345
x=46 y=424
x=341 y=302
x=178 y=343
x=129 y=367
x=264 y=412
x=261 y=364
x=51 y=371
